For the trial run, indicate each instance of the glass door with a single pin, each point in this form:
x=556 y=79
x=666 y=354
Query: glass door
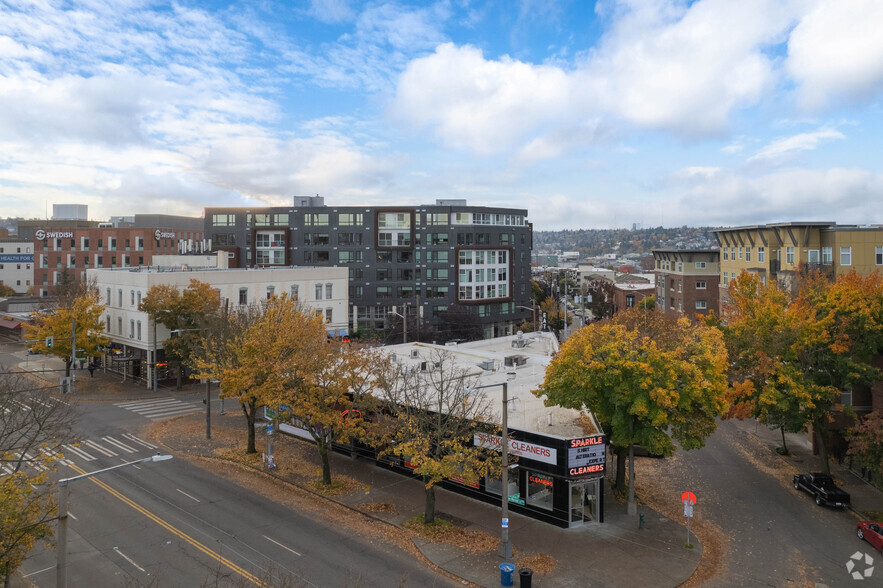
x=583 y=502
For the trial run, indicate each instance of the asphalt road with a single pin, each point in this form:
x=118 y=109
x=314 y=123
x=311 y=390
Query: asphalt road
x=172 y=524
x=776 y=535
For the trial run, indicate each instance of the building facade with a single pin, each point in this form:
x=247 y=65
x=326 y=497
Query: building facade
x=418 y=260
x=17 y=265
x=781 y=251
x=687 y=281
x=64 y=254
x=135 y=337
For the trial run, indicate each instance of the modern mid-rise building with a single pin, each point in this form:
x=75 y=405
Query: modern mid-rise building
x=415 y=261
x=687 y=281
x=780 y=251
x=134 y=336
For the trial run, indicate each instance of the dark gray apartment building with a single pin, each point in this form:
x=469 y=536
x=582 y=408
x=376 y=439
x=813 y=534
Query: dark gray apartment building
x=431 y=261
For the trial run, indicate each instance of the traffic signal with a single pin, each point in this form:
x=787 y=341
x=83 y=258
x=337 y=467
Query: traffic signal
x=49 y=342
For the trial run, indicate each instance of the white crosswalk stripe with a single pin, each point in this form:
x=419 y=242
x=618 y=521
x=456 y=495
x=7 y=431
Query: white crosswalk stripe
x=99 y=448
x=161 y=408
x=119 y=444
x=54 y=454
x=134 y=439
x=79 y=453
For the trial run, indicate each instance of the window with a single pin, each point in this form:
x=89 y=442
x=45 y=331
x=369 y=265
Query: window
x=726 y=253
x=701 y=305
x=120 y=297
x=733 y=253
x=680 y=285
x=108 y=296
x=329 y=314
x=328 y=291
x=139 y=299
x=740 y=252
x=280 y=219
x=700 y=285
x=347 y=219
x=294 y=291
x=271 y=290
x=384 y=292
x=539 y=490
x=316 y=219
x=680 y=266
x=223 y=220
x=878 y=256
x=261 y=219
x=243 y=296
x=726 y=278
x=761 y=255
x=349 y=239
x=138 y=330
x=630 y=300
x=439 y=239
x=846 y=256
x=812 y=256
x=827 y=255
x=748 y=254
x=789 y=254
x=318 y=291
x=132 y=297
x=384 y=275
x=700 y=265
x=349 y=257
x=119 y=325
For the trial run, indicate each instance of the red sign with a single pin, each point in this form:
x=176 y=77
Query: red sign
x=688 y=497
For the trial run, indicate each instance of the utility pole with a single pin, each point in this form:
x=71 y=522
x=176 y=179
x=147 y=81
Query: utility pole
x=73 y=351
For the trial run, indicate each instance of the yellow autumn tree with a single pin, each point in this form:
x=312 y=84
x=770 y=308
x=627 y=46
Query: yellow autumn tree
x=648 y=378
x=57 y=321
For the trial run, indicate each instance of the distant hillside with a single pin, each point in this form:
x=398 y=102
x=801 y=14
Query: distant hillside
x=590 y=242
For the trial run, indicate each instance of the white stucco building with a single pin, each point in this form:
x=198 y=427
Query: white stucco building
x=131 y=331
x=17 y=265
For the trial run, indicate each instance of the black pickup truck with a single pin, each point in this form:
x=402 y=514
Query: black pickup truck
x=822 y=488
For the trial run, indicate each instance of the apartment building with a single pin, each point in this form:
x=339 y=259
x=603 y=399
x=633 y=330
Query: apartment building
x=781 y=251
x=414 y=261
x=687 y=281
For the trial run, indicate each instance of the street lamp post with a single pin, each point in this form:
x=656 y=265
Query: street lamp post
x=63 y=495
x=505 y=549
x=155 y=370
x=208 y=394
x=404 y=323
x=533 y=309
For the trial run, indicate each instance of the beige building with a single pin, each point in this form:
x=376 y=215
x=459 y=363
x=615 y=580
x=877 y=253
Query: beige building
x=687 y=281
x=781 y=251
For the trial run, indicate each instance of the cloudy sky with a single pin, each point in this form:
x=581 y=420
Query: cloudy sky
x=589 y=115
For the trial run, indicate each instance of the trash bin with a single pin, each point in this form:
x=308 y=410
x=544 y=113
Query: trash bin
x=525 y=577
x=506 y=570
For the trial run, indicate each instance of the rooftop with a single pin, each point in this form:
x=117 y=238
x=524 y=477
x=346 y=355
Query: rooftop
x=520 y=360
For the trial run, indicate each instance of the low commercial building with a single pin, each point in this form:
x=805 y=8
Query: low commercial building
x=17 y=264
x=558 y=456
x=136 y=339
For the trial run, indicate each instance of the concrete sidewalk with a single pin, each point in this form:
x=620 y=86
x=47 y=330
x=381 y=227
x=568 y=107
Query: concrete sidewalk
x=613 y=553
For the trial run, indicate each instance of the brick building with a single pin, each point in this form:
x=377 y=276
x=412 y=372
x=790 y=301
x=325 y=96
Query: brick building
x=687 y=281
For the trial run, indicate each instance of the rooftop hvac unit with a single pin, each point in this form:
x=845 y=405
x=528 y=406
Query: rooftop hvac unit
x=487 y=365
x=515 y=360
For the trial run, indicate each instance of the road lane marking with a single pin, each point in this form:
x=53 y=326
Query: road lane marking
x=187 y=495
x=175 y=531
x=145 y=402
x=119 y=444
x=39 y=571
x=99 y=448
x=129 y=559
x=135 y=439
x=282 y=546
x=80 y=453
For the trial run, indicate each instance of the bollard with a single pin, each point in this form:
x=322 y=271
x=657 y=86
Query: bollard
x=641 y=521
x=525 y=577
x=506 y=570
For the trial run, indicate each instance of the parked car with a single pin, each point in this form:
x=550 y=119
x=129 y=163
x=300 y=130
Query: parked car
x=872 y=533
x=822 y=488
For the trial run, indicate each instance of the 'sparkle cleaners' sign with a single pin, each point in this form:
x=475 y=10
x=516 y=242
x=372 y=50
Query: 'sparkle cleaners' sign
x=519 y=448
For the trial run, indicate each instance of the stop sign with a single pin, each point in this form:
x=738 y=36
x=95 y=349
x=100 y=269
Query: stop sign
x=688 y=497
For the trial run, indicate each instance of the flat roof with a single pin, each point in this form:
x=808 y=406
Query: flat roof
x=486 y=361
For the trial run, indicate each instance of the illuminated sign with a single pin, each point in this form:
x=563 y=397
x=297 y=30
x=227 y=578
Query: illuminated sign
x=460 y=480
x=157 y=234
x=40 y=234
x=586 y=455
x=540 y=480
x=519 y=448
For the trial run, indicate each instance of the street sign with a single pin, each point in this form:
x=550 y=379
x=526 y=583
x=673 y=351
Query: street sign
x=688 y=509
x=505 y=523
x=688 y=497
x=269 y=428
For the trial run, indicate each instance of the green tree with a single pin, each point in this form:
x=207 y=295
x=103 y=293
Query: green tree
x=866 y=444
x=57 y=321
x=435 y=416
x=649 y=380
x=184 y=312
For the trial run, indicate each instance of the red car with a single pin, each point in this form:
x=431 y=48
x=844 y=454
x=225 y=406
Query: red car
x=872 y=533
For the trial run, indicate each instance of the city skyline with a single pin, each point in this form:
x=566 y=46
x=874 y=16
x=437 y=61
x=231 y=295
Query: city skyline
x=662 y=113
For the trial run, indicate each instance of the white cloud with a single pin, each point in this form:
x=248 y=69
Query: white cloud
x=836 y=51
x=800 y=142
x=331 y=11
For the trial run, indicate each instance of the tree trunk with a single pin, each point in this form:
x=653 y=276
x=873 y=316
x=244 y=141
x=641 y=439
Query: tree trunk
x=180 y=370
x=784 y=444
x=429 y=514
x=620 y=467
x=67 y=367
x=326 y=463
x=823 y=449
x=249 y=417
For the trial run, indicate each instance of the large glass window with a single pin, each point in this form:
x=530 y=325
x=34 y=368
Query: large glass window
x=539 y=490
x=827 y=255
x=493 y=485
x=846 y=256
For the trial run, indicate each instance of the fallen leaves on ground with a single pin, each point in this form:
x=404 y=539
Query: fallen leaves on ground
x=445 y=532
x=539 y=564
x=378 y=507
